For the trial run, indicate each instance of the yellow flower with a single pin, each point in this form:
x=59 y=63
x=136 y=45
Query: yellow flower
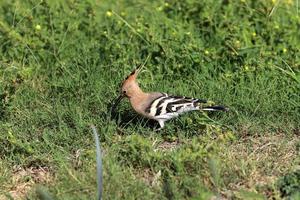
x=38 y=27
x=108 y=13
x=284 y=50
x=254 y=34
x=166 y=4
x=273 y=1
x=206 y=52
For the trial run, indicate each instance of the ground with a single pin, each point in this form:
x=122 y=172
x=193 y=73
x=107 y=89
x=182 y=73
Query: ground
x=61 y=67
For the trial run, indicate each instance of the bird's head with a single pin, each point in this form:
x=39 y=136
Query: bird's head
x=129 y=86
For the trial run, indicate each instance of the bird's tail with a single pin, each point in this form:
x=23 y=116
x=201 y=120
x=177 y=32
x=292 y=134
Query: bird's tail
x=215 y=108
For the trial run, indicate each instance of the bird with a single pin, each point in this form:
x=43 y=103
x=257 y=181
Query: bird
x=159 y=106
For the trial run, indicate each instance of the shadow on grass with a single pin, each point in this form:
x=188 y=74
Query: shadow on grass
x=124 y=119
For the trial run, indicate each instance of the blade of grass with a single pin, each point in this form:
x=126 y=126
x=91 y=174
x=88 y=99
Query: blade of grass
x=99 y=163
x=131 y=27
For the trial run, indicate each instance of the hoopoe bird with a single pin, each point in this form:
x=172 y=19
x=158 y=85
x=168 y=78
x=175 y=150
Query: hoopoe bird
x=160 y=106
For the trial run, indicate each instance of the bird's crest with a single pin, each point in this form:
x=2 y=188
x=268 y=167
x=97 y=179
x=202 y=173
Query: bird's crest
x=132 y=75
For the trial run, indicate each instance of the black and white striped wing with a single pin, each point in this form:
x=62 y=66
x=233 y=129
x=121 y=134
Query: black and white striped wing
x=168 y=106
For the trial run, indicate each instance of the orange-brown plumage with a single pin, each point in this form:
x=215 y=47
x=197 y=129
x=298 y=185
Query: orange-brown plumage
x=138 y=99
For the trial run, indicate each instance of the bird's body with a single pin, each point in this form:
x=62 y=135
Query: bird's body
x=161 y=106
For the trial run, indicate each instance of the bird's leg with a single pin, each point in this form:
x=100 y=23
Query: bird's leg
x=161 y=123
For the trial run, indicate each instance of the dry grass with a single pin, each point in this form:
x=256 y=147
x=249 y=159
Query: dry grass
x=167 y=146
x=24 y=179
x=259 y=161
x=253 y=163
x=150 y=178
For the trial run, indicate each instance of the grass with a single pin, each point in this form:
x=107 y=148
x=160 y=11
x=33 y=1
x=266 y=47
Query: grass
x=61 y=65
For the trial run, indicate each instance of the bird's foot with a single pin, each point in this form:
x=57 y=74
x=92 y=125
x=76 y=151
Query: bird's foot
x=157 y=129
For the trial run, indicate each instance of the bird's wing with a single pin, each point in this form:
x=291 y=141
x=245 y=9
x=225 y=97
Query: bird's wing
x=169 y=106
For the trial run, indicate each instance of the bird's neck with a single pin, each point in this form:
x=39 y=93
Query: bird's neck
x=138 y=93
x=137 y=100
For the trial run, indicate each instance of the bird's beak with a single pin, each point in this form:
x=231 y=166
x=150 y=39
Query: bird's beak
x=117 y=101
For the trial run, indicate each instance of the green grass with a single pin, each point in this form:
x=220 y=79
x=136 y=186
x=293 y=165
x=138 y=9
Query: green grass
x=61 y=65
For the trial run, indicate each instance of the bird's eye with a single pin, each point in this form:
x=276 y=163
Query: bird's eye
x=124 y=92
